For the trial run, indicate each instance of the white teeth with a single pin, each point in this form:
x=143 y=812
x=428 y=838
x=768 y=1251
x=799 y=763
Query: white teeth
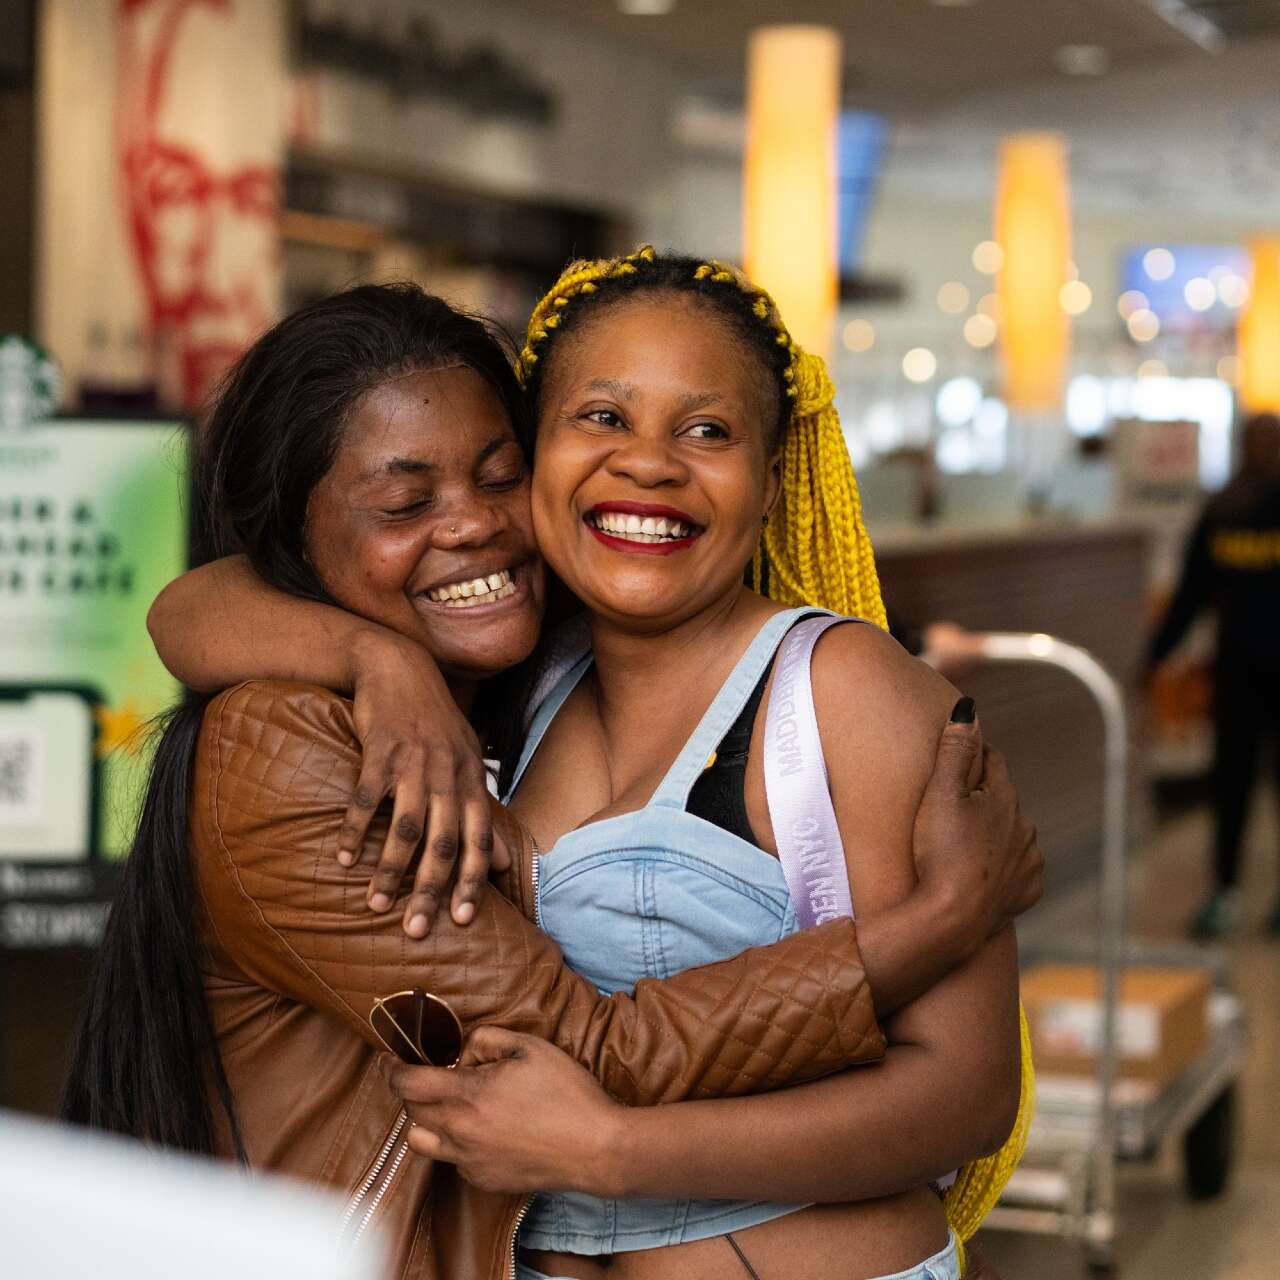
x=457 y=595
x=634 y=529
x=488 y=597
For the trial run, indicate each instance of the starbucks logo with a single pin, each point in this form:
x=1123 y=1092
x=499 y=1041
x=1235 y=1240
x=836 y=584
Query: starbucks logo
x=30 y=383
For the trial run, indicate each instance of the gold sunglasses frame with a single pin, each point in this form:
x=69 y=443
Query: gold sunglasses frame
x=380 y=1003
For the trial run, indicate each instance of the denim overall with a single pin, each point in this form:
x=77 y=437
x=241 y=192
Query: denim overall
x=646 y=895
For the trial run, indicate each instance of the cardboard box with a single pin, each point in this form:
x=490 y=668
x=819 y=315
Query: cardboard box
x=1160 y=1022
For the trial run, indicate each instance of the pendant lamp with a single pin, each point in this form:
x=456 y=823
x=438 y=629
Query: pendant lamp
x=1033 y=228
x=1260 y=331
x=789 y=196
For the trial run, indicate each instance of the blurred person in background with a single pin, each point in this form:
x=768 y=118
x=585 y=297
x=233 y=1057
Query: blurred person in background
x=1232 y=566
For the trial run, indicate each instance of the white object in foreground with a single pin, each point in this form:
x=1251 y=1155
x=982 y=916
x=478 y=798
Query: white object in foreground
x=76 y=1204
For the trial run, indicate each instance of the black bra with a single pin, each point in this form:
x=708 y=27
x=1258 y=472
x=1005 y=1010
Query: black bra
x=720 y=794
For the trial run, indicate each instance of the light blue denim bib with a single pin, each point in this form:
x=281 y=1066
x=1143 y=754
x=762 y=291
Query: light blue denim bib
x=646 y=895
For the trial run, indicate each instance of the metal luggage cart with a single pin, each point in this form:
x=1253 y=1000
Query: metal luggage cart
x=1084 y=1125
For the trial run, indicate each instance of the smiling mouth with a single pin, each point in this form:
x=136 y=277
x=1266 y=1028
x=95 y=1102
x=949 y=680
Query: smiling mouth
x=650 y=530
x=466 y=593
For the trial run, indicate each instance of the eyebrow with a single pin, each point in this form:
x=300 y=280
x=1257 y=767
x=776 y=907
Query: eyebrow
x=627 y=391
x=700 y=399
x=623 y=390
x=419 y=466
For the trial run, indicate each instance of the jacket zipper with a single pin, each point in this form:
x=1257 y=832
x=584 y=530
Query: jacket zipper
x=392 y=1169
x=379 y=1165
x=533 y=879
x=515 y=1233
x=537 y=919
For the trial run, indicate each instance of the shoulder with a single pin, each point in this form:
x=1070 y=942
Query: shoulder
x=880 y=713
x=866 y=684
x=266 y=742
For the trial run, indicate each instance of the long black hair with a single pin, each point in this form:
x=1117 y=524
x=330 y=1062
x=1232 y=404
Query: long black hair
x=145 y=1060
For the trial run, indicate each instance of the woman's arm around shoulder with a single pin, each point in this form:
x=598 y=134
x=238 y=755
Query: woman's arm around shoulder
x=221 y=624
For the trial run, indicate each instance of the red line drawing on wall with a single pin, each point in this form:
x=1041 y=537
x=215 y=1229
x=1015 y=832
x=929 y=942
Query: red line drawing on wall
x=204 y=230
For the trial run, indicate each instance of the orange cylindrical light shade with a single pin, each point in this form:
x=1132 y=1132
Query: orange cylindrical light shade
x=789 y=196
x=1260 y=331
x=1033 y=227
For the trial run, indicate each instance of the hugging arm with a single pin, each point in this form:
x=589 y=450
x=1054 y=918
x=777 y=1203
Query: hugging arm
x=946 y=1092
x=978 y=865
x=221 y=624
x=275 y=766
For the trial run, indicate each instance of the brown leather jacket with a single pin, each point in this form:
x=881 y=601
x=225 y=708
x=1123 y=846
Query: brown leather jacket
x=294 y=959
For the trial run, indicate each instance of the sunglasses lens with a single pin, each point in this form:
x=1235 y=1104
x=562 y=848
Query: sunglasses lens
x=421 y=1032
x=390 y=1031
x=441 y=1040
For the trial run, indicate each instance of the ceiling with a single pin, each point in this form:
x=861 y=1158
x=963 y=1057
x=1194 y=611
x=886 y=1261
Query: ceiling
x=917 y=54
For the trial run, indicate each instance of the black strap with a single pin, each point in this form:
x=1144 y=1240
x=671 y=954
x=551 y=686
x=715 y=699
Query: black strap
x=742 y=1257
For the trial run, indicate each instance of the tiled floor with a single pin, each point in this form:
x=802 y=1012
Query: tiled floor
x=1163 y=1235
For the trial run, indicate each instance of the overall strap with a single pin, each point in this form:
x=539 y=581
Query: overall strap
x=547 y=710
x=795 y=779
x=673 y=790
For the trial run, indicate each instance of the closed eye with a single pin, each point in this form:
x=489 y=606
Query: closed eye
x=409 y=508
x=504 y=483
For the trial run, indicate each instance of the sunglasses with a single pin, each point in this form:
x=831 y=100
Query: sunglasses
x=419 y=1028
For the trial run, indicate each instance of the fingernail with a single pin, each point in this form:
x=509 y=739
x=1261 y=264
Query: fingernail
x=464 y=912
x=380 y=902
x=418 y=927
x=346 y=857
x=964 y=712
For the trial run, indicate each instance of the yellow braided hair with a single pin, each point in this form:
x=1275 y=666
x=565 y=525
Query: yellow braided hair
x=814 y=550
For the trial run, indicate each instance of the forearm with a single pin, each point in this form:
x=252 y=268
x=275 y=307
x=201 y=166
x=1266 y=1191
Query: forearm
x=946 y=1093
x=911 y=947
x=1194 y=589
x=858 y=1136
x=773 y=1016
x=220 y=624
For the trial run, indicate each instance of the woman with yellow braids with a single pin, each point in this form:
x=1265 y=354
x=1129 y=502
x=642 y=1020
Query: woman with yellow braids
x=685 y=443
x=682 y=438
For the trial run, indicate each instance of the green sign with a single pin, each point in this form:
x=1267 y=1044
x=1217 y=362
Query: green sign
x=92 y=526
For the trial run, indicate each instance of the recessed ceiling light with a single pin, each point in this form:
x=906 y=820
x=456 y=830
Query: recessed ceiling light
x=1082 y=60
x=952 y=4
x=646 y=8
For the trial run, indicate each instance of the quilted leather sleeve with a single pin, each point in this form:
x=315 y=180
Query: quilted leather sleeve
x=275 y=769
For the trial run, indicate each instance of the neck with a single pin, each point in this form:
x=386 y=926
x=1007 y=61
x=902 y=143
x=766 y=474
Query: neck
x=463 y=692
x=631 y=665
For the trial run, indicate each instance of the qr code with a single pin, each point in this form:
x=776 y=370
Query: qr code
x=21 y=775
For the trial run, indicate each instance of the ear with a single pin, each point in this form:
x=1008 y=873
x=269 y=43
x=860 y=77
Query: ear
x=772 y=482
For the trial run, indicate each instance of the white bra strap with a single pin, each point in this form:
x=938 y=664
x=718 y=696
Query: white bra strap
x=795 y=778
